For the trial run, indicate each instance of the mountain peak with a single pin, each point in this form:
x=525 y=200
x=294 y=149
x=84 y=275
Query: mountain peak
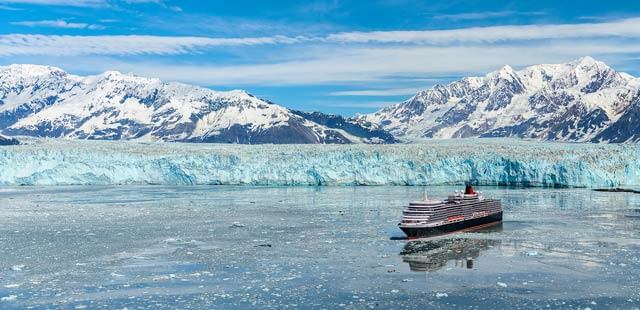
x=589 y=62
x=31 y=69
x=47 y=102
x=112 y=73
x=506 y=68
x=505 y=73
x=572 y=101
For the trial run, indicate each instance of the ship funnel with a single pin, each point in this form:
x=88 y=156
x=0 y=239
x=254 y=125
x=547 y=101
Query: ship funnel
x=469 y=189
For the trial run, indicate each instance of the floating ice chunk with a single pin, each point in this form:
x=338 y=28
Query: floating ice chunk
x=441 y=295
x=12 y=285
x=9 y=298
x=502 y=284
x=533 y=253
x=17 y=267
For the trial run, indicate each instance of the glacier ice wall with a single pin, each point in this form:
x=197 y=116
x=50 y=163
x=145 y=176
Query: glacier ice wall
x=487 y=161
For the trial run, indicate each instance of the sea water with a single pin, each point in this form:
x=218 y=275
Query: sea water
x=155 y=247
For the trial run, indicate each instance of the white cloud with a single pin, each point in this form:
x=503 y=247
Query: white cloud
x=360 y=105
x=339 y=58
x=58 y=45
x=58 y=23
x=364 y=65
x=628 y=28
x=378 y=92
x=16 y=44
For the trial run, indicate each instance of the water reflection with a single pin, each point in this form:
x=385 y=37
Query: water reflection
x=433 y=255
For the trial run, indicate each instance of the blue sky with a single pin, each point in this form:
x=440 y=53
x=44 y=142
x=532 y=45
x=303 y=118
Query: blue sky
x=334 y=56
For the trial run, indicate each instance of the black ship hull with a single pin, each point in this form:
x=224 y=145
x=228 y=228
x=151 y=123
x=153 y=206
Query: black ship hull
x=421 y=232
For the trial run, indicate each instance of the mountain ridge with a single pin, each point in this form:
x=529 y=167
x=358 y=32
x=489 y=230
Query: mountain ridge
x=45 y=101
x=581 y=101
x=584 y=101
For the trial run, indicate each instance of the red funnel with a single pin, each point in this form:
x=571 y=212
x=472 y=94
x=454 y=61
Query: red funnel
x=469 y=190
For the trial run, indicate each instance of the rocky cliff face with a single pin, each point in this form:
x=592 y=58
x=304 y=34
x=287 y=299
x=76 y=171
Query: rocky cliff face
x=8 y=141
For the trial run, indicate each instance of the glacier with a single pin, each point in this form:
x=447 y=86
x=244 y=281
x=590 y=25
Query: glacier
x=498 y=161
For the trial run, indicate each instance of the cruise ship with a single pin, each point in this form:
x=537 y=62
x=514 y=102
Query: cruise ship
x=460 y=211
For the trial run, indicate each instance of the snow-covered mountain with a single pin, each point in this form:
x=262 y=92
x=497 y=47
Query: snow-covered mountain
x=584 y=100
x=48 y=102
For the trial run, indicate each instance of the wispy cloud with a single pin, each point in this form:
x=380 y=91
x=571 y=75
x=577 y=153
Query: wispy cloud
x=629 y=28
x=378 y=92
x=485 y=15
x=92 y=3
x=158 y=2
x=8 y=8
x=360 y=105
x=58 y=23
x=343 y=58
x=16 y=44
x=365 y=65
x=25 y=44
x=79 y=3
x=318 y=6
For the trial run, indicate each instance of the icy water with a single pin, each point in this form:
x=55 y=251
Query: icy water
x=154 y=247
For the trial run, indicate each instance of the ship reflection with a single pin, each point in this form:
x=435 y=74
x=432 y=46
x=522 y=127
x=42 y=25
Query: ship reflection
x=433 y=255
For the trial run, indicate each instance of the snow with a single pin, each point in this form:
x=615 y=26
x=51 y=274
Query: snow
x=584 y=85
x=505 y=73
x=116 y=105
x=488 y=161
